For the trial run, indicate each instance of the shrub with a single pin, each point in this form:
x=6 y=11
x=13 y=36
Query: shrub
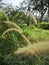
x=44 y=25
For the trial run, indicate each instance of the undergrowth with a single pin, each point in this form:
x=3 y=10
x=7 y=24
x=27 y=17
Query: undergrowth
x=13 y=41
x=35 y=34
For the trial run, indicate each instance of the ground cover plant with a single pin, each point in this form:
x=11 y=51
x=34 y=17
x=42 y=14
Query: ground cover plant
x=24 y=39
x=14 y=50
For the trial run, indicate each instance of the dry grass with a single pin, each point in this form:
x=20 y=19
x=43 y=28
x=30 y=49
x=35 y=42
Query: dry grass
x=37 y=48
x=31 y=15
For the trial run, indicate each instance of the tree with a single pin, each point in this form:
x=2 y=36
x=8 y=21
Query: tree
x=26 y=5
x=8 y=9
x=42 y=6
x=1 y=4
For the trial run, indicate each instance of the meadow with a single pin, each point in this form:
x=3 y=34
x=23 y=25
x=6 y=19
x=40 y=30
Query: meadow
x=24 y=45
x=24 y=32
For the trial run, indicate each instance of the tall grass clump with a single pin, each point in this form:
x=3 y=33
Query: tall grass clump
x=14 y=24
x=17 y=29
x=35 y=49
x=11 y=38
x=31 y=15
x=13 y=29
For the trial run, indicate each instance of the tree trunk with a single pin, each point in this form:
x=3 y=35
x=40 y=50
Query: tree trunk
x=28 y=7
x=41 y=17
x=41 y=11
x=48 y=14
x=28 y=23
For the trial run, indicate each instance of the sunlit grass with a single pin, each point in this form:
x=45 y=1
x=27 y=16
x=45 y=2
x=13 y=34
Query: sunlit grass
x=36 y=34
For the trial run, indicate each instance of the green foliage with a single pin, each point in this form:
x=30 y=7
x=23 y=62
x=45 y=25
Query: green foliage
x=21 y=59
x=3 y=16
x=35 y=34
x=11 y=41
x=26 y=19
x=20 y=17
x=44 y=25
x=7 y=45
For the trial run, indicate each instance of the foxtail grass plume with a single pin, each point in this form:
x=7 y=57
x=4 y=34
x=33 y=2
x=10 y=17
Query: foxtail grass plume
x=13 y=29
x=34 y=49
x=14 y=24
x=31 y=15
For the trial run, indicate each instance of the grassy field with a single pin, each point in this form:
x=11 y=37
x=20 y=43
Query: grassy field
x=15 y=47
x=35 y=34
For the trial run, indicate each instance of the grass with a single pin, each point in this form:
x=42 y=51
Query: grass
x=31 y=15
x=13 y=29
x=34 y=49
x=35 y=34
x=14 y=24
x=14 y=50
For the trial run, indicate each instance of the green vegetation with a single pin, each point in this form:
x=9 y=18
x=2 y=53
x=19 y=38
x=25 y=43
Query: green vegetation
x=44 y=25
x=35 y=34
x=11 y=42
x=24 y=39
x=3 y=16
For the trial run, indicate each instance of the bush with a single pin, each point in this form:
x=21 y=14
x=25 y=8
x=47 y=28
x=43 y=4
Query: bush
x=44 y=25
